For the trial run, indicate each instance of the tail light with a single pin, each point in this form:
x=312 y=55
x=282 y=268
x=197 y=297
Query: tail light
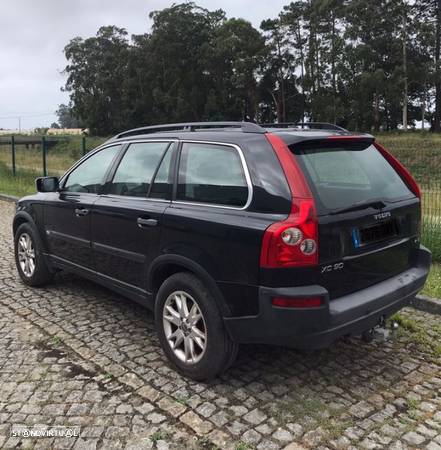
x=400 y=169
x=292 y=242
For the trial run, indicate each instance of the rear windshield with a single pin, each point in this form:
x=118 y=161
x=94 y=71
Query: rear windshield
x=344 y=174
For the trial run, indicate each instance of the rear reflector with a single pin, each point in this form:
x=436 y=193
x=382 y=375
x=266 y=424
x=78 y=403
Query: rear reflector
x=297 y=302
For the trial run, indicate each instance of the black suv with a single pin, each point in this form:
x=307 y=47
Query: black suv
x=234 y=233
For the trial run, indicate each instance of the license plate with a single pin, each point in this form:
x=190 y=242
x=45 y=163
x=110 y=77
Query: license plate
x=374 y=233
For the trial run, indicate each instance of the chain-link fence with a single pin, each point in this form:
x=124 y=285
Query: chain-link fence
x=422 y=156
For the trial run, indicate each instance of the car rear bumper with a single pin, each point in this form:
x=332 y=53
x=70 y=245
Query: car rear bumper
x=318 y=327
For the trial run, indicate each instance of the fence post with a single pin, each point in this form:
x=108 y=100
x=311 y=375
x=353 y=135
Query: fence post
x=13 y=155
x=43 y=148
x=83 y=145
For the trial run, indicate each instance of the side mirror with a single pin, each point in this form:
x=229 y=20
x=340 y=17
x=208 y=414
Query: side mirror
x=47 y=184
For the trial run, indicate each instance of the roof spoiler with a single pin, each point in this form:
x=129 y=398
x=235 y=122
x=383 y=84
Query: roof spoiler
x=305 y=125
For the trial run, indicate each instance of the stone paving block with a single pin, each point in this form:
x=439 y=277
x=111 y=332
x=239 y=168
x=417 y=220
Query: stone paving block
x=149 y=393
x=414 y=438
x=251 y=437
x=171 y=406
x=255 y=417
x=196 y=423
x=206 y=409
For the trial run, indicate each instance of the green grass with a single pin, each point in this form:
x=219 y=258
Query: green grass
x=159 y=436
x=431 y=237
x=56 y=340
x=60 y=156
x=29 y=163
x=433 y=283
x=427 y=340
x=22 y=184
x=419 y=152
x=243 y=446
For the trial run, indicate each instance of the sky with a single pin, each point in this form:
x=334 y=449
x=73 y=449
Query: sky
x=34 y=33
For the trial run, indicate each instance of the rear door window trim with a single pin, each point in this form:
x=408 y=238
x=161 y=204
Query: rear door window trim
x=117 y=162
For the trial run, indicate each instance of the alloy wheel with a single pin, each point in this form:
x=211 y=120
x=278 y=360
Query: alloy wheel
x=26 y=255
x=184 y=327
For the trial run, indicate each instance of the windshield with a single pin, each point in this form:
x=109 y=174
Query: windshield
x=344 y=174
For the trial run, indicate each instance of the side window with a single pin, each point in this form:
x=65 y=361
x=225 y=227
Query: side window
x=136 y=169
x=162 y=184
x=211 y=173
x=89 y=175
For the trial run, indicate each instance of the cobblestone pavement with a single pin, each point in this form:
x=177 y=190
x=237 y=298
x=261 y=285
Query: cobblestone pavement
x=77 y=354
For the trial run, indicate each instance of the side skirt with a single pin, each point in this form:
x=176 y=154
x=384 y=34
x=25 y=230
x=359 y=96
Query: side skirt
x=136 y=294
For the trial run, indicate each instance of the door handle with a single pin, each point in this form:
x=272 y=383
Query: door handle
x=80 y=212
x=146 y=222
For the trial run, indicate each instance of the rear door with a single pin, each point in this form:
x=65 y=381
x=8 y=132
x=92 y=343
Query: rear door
x=368 y=217
x=206 y=222
x=127 y=218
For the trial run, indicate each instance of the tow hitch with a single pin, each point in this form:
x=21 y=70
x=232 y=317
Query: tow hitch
x=380 y=332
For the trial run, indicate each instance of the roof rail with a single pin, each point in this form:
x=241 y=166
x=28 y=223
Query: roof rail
x=303 y=125
x=246 y=127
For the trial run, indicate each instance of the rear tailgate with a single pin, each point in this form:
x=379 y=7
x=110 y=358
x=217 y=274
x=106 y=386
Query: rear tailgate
x=362 y=248
x=368 y=217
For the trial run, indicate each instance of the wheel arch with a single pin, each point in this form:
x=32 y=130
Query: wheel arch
x=166 y=265
x=20 y=218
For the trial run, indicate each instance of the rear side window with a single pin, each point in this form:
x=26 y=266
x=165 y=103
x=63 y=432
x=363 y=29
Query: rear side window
x=212 y=173
x=345 y=174
x=136 y=169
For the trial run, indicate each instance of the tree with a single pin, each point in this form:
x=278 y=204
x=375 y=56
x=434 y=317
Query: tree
x=179 y=46
x=293 y=18
x=66 y=118
x=429 y=14
x=422 y=68
x=194 y=65
x=279 y=64
x=363 y=64
x=95 y=74
x=237 y=54
x=375 y=58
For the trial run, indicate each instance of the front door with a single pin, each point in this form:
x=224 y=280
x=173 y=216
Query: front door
x=126 y=220
x=67 y=213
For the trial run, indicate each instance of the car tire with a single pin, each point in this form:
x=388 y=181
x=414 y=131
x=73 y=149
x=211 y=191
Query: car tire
x=29 y=258
x=193 y=337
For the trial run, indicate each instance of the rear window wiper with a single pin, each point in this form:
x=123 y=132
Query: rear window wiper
x=374 y=203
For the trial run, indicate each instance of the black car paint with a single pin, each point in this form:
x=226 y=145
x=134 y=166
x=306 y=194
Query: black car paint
x=353 y=313
x=67 y=226
x=123 y=248
x=221 y=245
